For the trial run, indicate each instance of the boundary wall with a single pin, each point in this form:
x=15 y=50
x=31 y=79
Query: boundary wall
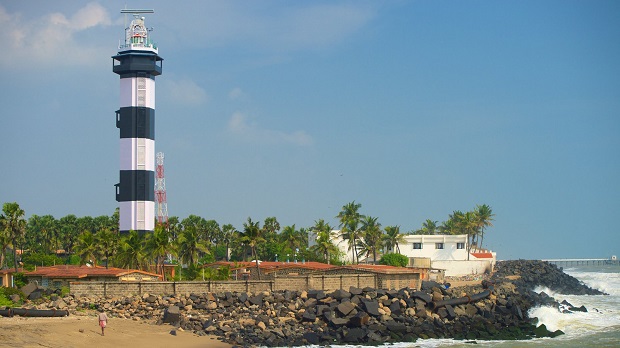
x=460 y=268
x=294 y=283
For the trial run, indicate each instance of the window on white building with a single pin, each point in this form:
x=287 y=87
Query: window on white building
x=438 y=245
x=460 y=245
x=417 y=245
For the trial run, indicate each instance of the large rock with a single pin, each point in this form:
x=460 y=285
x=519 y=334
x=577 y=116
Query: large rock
x=172 y=315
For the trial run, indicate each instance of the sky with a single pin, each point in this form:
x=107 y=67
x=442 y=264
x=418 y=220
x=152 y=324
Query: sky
x=292 y=109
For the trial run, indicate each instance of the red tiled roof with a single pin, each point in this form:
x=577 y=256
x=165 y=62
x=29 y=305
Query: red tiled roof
x=483 y=255
x=74 y=271
x=312 y=265
x=271 y=265
x=382 y=268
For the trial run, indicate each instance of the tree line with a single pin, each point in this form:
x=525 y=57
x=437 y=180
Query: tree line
x=195 y=241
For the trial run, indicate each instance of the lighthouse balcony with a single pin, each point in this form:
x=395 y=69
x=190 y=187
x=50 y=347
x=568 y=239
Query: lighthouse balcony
x=137 y=61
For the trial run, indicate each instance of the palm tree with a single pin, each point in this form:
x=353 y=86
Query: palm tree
x=324 y=236
x=372 y=236
x=393 y=238
x=107 y=244
x=350 y=219
x=158 y=245
x=466 y=224
x=449 y=227
x=429 y=227
x=484 y=217
x=14 y=226
x=290 y=238
x=228 y=237
x=132 y=251
x=86 y=248
x=251 y=236
x=190 y=246
x=69 y=232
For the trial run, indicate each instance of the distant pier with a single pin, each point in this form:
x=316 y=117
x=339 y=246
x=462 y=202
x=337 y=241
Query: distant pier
x=573 y=262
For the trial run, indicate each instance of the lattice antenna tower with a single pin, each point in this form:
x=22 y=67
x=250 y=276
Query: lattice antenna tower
x=160 y=192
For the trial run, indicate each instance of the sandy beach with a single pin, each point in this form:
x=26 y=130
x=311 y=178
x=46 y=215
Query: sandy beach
x=83 y=331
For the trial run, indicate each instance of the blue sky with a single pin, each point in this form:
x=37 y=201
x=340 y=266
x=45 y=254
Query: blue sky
x=294 y=108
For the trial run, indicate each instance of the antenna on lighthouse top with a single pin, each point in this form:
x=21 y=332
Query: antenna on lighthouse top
x=136 y=34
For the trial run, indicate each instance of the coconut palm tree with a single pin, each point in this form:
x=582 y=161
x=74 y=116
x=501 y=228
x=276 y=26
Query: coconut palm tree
x=289 y=237
x=372 y=236
x=484 y=218
x=190 y=246
x=350 y=219
x=393 y=238
x=159 y=245
x=324 y=236
x=69 y=232
x=132 y=252
x=14 y=226
x=86 y=248
x=251 y=236
x=107 y=244
x=429 y=227
x=228 y=236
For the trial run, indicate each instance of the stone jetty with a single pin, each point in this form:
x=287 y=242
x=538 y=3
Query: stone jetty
x=495 y=309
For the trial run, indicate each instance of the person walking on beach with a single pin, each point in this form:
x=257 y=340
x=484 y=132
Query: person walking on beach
x=103 y=320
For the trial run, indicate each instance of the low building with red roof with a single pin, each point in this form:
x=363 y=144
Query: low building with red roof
x=61 y=275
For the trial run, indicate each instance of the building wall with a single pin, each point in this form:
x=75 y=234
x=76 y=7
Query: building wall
x=459 y=268
x=429 y=250
x=294 y=283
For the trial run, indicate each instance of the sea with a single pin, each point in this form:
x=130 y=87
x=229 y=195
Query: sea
x=599 y=327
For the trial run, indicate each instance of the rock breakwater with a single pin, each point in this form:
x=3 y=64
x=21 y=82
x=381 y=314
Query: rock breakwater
x=495 y=309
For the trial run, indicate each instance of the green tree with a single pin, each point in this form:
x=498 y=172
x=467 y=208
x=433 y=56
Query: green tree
x=393 y=238
x=14 y=226
x=289 y=237
x=132 y=251
x=350 y=219
x=69 y=231
x=372 y=236
x=324 y=236
x=429 y=227
x=158 y=245
x=190 y=246
x=86 y=248
x=393 y=259
x=107 y=243
x=484 y=218
x=229 y=236
x=251 y=236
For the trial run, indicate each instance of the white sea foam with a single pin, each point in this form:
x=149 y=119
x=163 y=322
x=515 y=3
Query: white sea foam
x=603 y=310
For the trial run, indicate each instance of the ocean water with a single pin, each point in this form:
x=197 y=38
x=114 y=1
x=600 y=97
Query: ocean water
x=599 y=327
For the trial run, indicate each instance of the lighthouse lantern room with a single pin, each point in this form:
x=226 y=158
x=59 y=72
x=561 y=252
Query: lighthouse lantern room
x=137 y=63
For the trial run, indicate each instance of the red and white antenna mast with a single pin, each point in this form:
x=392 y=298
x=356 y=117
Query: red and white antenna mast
x=160 y=192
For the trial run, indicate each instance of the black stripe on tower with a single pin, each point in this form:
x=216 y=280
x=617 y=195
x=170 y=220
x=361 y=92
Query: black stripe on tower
x=136 y=185
x=136 y=122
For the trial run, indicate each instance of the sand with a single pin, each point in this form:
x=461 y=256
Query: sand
x=84 y=331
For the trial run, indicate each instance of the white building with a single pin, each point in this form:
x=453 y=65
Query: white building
x=444 y=252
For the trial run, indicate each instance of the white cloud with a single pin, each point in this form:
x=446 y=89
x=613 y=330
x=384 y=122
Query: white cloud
x=235 y=94
x=185 y=92
x=240 y=125
x=50 y=39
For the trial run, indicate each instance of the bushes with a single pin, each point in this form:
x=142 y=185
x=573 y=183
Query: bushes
x=393 y=259
x=5 y=294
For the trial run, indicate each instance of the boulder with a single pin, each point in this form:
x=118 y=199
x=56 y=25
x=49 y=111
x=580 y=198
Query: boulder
x=172 y=315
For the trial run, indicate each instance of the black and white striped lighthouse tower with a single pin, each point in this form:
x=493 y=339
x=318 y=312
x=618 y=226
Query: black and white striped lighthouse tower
x=137 y=63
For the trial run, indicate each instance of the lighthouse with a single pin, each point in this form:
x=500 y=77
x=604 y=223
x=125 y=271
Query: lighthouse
x=137 y=63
